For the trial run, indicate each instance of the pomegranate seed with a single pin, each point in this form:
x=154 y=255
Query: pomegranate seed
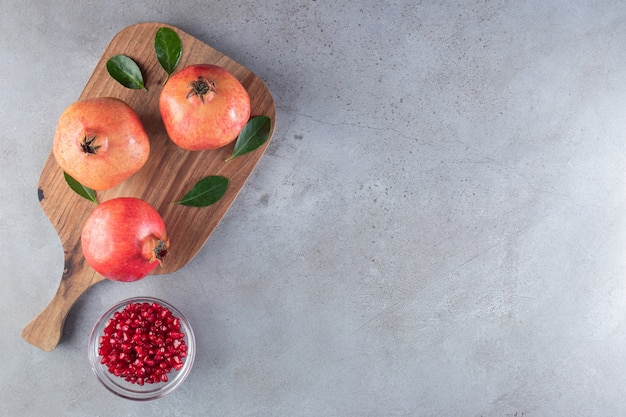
x=142 y=343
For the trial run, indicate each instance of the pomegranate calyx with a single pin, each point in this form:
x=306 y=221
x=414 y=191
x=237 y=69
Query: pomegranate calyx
x=88 y=146
x=200 y=87
x=160 y=250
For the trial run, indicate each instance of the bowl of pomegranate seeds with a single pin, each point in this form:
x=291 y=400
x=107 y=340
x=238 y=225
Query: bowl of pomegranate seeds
x=142 y=348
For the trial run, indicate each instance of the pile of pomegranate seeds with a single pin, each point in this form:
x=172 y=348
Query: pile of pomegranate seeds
x=143 y=343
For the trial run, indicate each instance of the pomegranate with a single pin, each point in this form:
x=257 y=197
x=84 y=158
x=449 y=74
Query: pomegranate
x=143 y=343
x=100 y=142
x=204 y=107
x=124 y=239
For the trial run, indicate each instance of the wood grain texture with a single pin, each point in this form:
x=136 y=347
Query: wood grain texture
x=169 y=173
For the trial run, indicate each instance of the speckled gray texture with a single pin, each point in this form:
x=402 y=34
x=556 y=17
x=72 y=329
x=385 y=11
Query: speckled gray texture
x=438 y=227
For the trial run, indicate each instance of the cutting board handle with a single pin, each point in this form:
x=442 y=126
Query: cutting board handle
x=46 y=329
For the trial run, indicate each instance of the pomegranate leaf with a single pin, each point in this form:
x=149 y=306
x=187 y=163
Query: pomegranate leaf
x=126 y=72
x=79 y=188
x=206 y=192
x=169 y=49
x=254 y=134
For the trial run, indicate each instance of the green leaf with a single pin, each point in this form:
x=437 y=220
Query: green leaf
x=79 y=188
x=206 y=192
x=169 y=49
x=126 y=72
x=254 y=134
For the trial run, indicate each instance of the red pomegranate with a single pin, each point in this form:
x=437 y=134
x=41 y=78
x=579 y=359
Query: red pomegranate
x=124 y=239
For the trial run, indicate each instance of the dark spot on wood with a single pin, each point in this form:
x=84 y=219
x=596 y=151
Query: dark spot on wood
x=40 y=194
x=67 y=269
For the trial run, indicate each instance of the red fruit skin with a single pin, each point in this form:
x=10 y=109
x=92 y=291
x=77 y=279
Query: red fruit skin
x=123 y=145
x=210 y=121
x=120 y=236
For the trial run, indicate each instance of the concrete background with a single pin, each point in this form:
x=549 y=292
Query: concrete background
x=437 y=228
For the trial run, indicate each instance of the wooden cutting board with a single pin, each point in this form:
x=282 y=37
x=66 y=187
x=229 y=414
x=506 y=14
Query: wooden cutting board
x=169 y=173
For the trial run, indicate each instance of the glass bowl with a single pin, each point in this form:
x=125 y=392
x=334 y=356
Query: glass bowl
x=133 y=390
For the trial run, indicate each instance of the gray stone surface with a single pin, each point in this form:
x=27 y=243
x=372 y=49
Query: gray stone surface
x=437 y=228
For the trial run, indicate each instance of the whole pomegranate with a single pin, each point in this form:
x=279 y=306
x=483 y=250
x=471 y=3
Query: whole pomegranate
x=124 y=239
x=100 y=142
x=204 y=107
